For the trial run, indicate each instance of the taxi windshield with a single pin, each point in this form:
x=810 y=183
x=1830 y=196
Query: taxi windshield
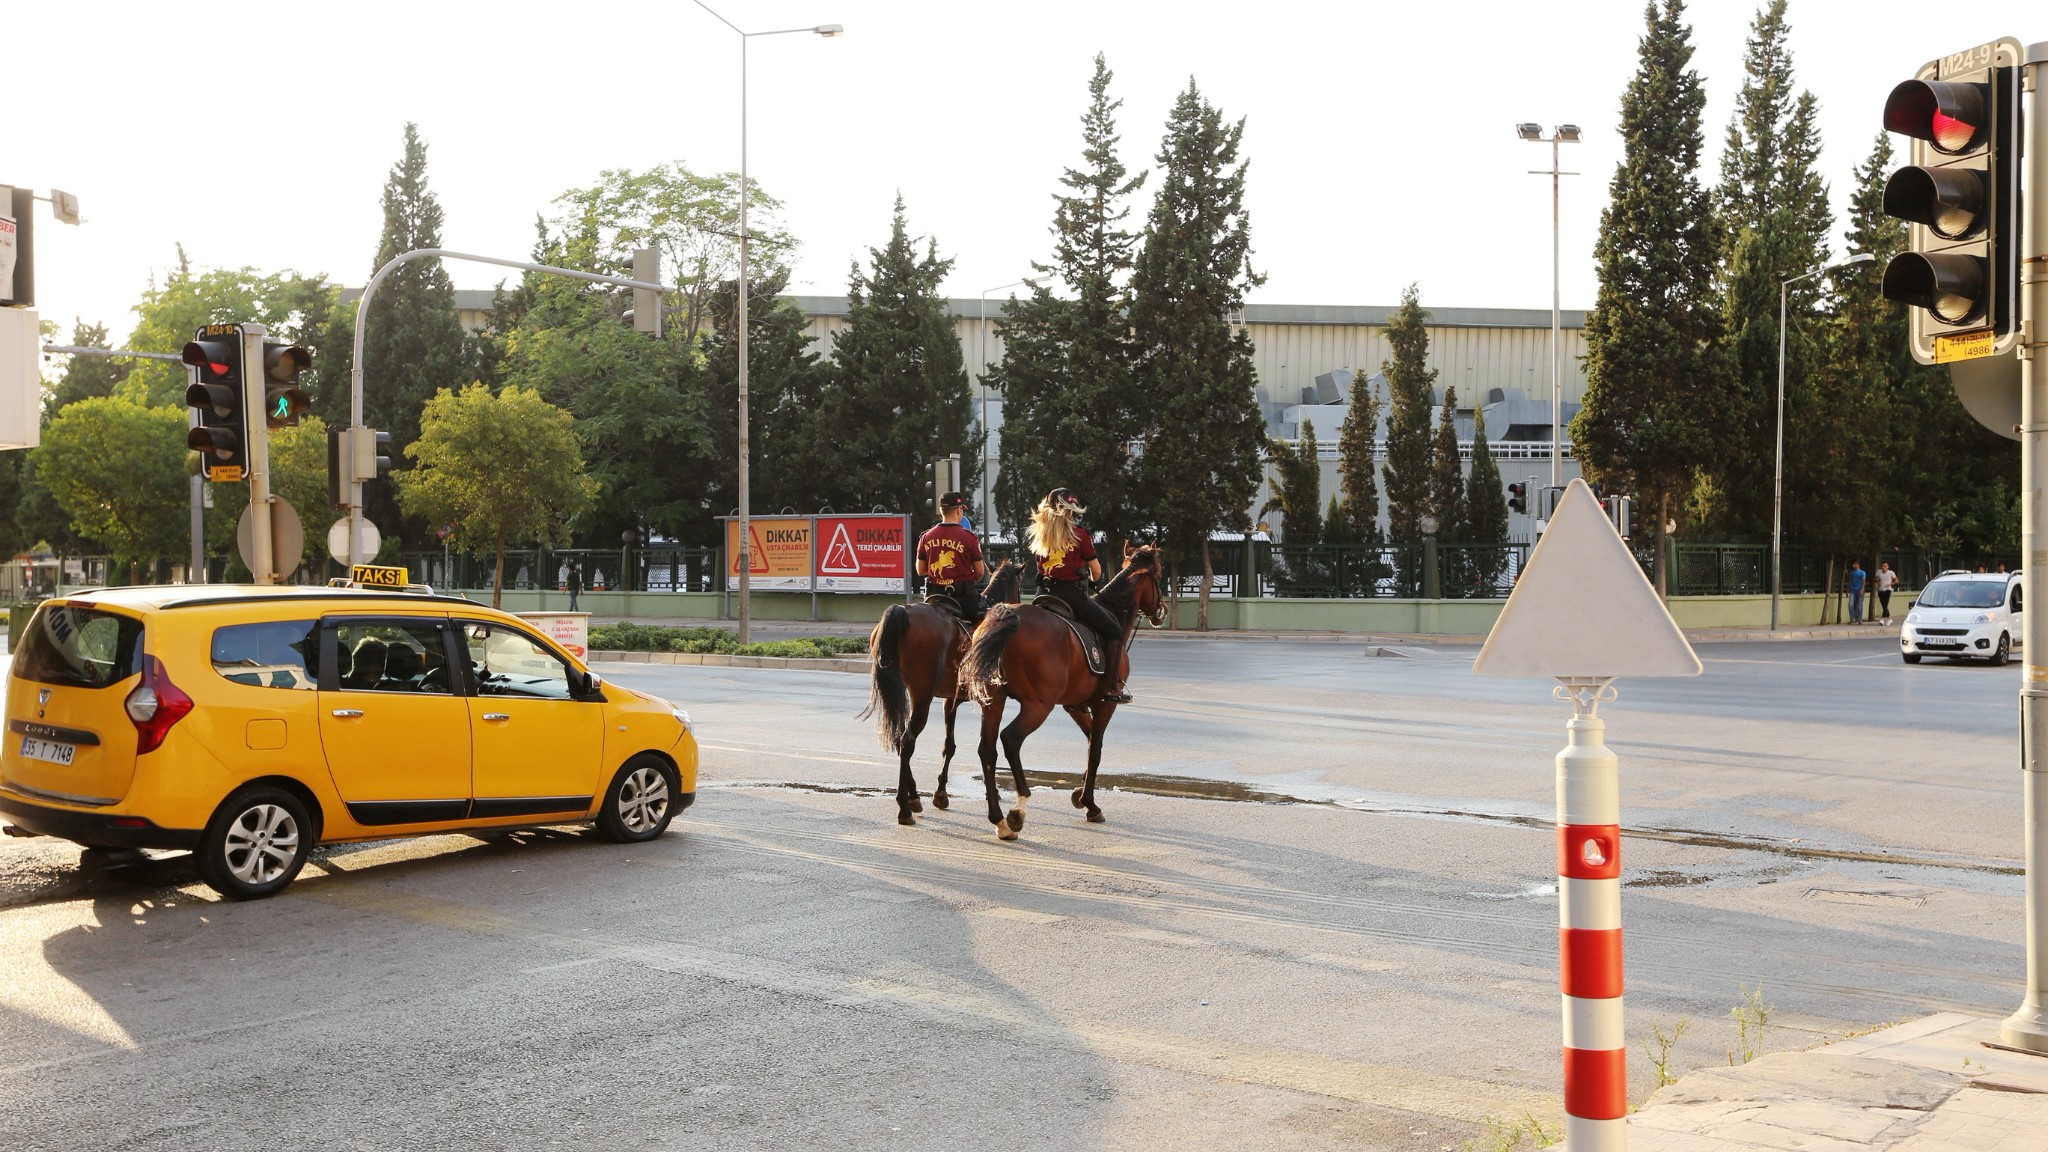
x=1963 y=594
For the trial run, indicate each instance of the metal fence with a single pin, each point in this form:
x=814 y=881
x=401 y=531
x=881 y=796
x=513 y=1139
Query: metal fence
x=1745 y=569
x=657 y=569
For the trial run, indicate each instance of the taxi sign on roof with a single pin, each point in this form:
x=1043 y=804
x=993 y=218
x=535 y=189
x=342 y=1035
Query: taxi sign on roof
x=1582 y=607
x=377 y=576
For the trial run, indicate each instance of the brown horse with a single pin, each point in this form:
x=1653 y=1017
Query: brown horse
x=913 y=655
x=1029 y=655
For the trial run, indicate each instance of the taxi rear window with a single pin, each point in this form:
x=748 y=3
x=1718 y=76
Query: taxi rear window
x=79 y=646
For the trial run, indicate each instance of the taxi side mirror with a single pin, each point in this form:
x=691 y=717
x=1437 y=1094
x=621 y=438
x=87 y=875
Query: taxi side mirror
x=588 y=685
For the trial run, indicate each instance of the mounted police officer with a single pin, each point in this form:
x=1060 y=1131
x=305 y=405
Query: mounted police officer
x=1066 y=558
x=949 y=559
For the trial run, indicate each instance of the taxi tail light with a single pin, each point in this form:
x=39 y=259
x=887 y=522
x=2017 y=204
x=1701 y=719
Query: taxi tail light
x=154 y=705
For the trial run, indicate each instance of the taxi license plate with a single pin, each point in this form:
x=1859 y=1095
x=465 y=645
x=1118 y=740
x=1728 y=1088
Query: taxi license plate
x=51 y=750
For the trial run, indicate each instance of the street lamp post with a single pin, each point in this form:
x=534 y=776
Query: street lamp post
x=988 y=518
x=1778 y=474
x=744 y=559
x=1562 y=134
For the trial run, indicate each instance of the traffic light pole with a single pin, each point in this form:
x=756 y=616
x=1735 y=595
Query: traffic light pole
x=2028 y=1028
x=263 y=558
x=355 y=400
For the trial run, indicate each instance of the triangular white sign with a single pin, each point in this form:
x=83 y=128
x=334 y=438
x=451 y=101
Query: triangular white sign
x=1583 y=607
x=839 y=558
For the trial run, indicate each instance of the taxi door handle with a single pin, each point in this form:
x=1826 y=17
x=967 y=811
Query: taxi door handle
x=349 y=713
x=496 y=716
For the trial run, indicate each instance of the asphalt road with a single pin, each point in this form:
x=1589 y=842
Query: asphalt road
x=1319 y=916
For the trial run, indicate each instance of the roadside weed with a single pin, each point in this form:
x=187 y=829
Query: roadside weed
x=1751 y=1017
x=1510 y=1136
x=1658 y=1045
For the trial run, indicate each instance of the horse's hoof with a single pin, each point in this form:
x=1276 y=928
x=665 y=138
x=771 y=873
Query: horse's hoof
x=1095 y=815
x=916 y=805
x=1078 y=802
x=1015 y=820
x=1005 y=832
x=940 y=801
x=906 y=819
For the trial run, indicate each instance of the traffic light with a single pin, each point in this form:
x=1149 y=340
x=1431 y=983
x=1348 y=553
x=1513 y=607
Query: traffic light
x=1617 y=509
x=214 y=357
x=284 y=402
x=1518 y=498
x=354 y=454
x=945 y=478
x=1961 y=193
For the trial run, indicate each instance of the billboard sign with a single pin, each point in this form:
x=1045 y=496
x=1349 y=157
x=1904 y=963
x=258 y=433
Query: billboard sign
x=781 y=560
x=861 y=553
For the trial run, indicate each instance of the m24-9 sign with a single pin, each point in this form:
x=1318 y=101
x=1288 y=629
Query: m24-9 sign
x=822 y=553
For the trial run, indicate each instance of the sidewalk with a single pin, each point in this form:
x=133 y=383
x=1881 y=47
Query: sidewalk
x=1928 y=1085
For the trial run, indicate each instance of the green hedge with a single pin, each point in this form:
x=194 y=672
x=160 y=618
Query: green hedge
x=629 y=637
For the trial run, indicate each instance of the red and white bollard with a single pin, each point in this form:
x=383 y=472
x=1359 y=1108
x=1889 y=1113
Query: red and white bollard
x=1589 y=924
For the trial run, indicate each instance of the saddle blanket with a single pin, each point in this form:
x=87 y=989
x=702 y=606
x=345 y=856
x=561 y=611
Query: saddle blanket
x=1091 y=643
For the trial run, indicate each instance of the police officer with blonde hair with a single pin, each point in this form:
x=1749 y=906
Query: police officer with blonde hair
x=1065 y=552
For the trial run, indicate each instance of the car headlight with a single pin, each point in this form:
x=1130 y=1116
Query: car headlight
x=1912 y=617
x=682 y=718
x=1983 y=618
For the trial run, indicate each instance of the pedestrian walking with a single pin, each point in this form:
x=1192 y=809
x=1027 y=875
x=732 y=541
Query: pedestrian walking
x=575 y=583
x=1886 y=581
x=1856 y=579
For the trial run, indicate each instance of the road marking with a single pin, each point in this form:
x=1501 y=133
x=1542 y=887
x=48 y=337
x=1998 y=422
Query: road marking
x=1385 y=1086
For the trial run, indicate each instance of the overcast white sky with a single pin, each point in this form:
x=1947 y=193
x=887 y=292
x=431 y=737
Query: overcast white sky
x=1379 y=134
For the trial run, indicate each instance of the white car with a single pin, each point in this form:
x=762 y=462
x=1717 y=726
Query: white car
x=1964 y=614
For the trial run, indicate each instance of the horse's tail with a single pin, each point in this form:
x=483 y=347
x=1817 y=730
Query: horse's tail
x=982 y=669
x=888 y=699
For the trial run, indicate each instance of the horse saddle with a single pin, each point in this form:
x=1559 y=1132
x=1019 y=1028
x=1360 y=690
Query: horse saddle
x=1091 y=643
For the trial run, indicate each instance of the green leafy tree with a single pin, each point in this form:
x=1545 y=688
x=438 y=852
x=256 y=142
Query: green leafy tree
x=86 y=376
x=1410 y=388
x=691 y=220
x=1653 y=338
x=414 y=345
x=1071 y=406
x=117 y=469
x=504 y=468
x=1486 y=510
x=642 y=405
x=1202 y=452
x=294 y=309
x=897 y=397
x=1775 y=218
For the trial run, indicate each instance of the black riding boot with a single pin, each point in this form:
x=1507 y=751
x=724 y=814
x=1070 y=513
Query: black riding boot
x=1112 y=663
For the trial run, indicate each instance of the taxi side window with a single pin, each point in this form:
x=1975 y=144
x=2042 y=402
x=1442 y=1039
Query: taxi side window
x=274 y=654
x=507 y=662
x=391 y=656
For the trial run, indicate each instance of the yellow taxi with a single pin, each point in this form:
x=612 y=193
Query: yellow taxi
x=248 y=724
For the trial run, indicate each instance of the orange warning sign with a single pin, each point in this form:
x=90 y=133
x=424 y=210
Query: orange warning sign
x=780 y=556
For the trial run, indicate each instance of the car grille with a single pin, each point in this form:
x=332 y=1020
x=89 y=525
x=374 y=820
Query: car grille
x=1943 y=631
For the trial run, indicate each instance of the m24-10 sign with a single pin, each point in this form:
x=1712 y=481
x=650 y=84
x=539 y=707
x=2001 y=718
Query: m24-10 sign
x=822 y=553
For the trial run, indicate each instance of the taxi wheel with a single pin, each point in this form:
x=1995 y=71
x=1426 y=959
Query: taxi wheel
x=255 y=844
x=640 y=802
x=2004 y=652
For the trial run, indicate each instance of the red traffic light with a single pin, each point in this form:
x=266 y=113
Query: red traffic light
x=1951 y=116
x=219 y=356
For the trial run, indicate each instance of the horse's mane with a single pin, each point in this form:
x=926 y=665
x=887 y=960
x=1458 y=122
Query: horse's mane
x=1117 y=591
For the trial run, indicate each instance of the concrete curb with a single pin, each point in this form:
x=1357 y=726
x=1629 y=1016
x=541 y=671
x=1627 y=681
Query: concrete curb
x=855 y=663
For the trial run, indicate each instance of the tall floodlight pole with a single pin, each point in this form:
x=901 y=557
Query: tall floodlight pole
x=1778 y=474
x=743 y=558
x=988 y=515
x=1562 y=134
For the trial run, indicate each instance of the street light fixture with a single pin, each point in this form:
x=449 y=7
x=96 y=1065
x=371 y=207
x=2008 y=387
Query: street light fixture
x=1562 y=134
x=987 y=510
x=1778 y=479
x=744 y=558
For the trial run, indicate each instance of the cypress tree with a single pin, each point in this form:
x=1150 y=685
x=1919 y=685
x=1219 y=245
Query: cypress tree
x=1358 y=515
x=897 y=395
x=1447 y=491
x=415 y=344
x=1071 y=407
x=1202 y=451
x=1410 y=387
x=1486 y=509
x=1297 y=488
x=1653 y=338
x=1774 y=211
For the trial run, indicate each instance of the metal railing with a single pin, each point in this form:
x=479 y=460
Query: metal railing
x=655 y=569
